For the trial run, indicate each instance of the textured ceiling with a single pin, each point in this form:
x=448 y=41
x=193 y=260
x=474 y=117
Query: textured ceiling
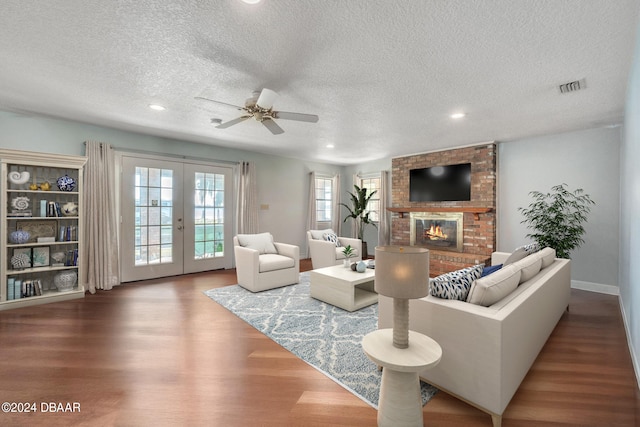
x=383 y=75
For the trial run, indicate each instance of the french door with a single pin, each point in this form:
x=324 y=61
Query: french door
x=176 y=217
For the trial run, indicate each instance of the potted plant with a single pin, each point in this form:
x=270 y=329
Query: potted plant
x=557 y=218
x=358 y=212
x=348 y=253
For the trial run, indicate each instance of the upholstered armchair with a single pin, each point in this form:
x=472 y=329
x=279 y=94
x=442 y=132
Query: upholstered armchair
x=325 y=253
x=263 y=264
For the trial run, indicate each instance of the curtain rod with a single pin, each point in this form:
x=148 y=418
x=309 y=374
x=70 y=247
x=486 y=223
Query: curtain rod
x=178 y=156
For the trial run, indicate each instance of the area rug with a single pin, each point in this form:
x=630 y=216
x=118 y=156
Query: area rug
x=326 y=337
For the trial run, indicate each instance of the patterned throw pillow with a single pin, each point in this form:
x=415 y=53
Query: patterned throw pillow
x=531 y=248
x=456 y=284
x=332 y=237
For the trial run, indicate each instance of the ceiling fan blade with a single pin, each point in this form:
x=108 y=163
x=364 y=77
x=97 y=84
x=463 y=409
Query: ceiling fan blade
x=266 y=98
x=272 y=126
x=232 y=122
x=311 y=118
x=218 y=102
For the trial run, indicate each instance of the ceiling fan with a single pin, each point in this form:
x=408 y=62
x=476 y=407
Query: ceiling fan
x=260 y=107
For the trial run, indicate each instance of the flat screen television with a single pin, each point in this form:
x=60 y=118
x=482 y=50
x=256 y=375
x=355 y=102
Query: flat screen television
x=440 y=183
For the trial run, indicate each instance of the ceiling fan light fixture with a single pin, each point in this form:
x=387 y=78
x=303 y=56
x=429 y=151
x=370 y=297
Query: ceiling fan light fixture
x=266 y=99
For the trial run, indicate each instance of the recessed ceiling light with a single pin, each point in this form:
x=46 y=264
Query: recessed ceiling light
x=457 y=115
x=330 y=146
x=251 y=1
x=157 y=107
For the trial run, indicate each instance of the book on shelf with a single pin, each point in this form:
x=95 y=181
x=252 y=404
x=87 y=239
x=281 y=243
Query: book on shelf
x=19 y=214
x=68 y=233
x=46 y=239
x=17 y=289
x=10 y=288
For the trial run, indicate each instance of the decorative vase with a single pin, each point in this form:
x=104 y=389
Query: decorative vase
x=65 y=280
x=66 y=183
x=70 y=209
x=361 y=267
x=19 y=237
x=346 y=263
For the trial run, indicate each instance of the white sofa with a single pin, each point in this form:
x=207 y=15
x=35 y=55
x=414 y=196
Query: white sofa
x=487 y=351
x=263 y=264
x=326 y=254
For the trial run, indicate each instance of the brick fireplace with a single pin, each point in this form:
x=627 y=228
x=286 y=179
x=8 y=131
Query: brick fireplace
x=475 y=237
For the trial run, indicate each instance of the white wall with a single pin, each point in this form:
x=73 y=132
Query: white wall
x=629 y=272
x=283 y=183
x=584 y=159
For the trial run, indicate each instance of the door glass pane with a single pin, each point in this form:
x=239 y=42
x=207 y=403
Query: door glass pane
x=153 y=233
x=208 y=194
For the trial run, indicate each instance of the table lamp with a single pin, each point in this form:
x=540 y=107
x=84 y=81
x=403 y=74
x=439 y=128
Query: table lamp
x=402 y=273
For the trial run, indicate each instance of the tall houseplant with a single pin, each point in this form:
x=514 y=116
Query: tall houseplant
x=557 y=218
x=358 y=212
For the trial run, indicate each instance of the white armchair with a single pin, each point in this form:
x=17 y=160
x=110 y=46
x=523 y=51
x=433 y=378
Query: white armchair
x=263 y=264
x=325 y=253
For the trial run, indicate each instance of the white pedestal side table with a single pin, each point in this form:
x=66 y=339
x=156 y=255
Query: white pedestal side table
x=400 y=402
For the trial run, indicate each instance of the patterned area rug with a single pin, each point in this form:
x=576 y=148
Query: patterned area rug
x=326 y=337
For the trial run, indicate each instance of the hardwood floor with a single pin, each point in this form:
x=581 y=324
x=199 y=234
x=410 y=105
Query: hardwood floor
x=161 y=353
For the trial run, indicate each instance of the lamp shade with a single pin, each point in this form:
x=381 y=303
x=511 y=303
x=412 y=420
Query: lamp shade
x=402 y=272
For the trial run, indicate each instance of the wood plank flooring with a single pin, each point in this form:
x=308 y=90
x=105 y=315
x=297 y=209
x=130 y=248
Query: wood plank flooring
x=160 y=353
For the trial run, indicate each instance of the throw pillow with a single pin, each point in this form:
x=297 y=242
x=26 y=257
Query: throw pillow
x=331 y=237
x=491 y=269
x=516 y=255
x=531 y=248
x=263 y=242
x=317 y=234
x=456 y=284
x=491 y=289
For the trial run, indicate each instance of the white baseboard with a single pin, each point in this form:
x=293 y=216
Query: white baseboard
x=634 y=359
x=595 y=287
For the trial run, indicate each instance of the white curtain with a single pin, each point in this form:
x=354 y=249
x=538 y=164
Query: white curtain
x=336 y=220
x=383 y=215
x=101 y=262
x=247 y=199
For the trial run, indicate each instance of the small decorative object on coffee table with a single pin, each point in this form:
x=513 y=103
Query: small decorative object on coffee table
x=348 y=253
x=403 y=274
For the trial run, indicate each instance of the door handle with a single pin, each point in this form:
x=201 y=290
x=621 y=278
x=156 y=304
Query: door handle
x=180 y=227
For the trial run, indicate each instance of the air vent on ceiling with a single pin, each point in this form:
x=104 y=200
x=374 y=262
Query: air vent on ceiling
x=573 y=86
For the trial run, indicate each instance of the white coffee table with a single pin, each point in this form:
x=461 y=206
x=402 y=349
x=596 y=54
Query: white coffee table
x=343 y=287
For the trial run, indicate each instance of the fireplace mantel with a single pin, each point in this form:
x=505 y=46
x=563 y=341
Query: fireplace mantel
x=476 y=211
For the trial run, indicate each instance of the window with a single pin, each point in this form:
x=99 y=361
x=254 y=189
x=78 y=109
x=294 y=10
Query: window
x=373 y=208
x=324 y=199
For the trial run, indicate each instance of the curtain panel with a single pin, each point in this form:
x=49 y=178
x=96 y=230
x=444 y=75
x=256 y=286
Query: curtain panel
x=247 y=199
x=101 y=260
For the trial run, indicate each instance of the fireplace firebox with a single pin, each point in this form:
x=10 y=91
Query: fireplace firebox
x=438 y=231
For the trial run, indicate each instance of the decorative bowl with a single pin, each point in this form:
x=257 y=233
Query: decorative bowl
x=19 y=237
x=66 y=183
x=65 y=280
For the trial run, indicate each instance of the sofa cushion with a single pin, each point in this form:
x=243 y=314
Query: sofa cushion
x=491 y=289
x=516 y=255
x=262 y=242
x=456 y=284
x=547 y=255
x=529 y=267
x=272 y=262
x=331 y=237
x=317 y=234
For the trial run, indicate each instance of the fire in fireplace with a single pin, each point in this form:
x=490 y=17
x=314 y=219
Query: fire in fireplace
x=439 y=231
